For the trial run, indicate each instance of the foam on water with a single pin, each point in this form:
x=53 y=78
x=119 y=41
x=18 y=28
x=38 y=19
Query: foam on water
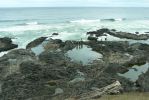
x=70 y=31
x=85 y=21
x=3 y=53
x=32 y=23
x=30 y=27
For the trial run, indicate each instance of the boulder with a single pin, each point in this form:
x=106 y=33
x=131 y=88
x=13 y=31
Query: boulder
x=115 y=68
x=55 y=34
x=99 y=32
x=53 y=44
x=143 y=82
x=35 y=42
x=9 y=63
x=113 y=88
x=6 y=44
x=92 y=38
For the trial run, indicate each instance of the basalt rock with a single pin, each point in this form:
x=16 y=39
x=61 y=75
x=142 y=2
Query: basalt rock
x=6 y=44
x=35 y=42
x=92 y=38
x=52 y=57
x=99 y=32
x=112 y=32
x=143 y=82
x=9 y=63
x=69 y=45
x=25 y=76
x=55 y=34
x=33 y=80
x=139 y=58
x=130 y=35
x=28 y=83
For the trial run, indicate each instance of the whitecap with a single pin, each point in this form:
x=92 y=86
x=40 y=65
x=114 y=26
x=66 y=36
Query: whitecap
x=113 y=19
x=119 y=19
x=20 y=28
x=3 y=53
x=32 y=23
x=84 y=21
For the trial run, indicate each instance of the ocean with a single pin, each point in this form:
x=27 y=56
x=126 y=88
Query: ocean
x=26 y=24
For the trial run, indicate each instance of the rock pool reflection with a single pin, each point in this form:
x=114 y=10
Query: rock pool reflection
x=135 y=72
x=83 y=54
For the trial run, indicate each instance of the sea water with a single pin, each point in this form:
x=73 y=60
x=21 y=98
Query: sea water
x=27 y=24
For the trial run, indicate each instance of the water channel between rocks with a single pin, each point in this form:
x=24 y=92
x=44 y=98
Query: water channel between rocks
x=135 y=72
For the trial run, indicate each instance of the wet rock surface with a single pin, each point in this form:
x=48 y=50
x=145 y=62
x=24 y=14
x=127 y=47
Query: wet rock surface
x=52 y=75
x=112 y=32
x=143 y=82
x=55 y=34
x=35 y=42
x=6 y=44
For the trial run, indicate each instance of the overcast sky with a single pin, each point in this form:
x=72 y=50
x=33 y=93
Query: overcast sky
x=73 y=3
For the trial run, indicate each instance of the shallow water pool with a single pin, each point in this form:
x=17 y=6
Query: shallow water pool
x=83 y=54
x=135 y=72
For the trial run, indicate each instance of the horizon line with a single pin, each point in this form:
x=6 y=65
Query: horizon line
x=79 y=7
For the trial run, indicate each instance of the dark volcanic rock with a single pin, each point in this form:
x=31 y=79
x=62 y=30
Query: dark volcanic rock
x=143 y=82
x=35 y=43
x=115 y=68
x=92 y=38
x=99 y=32
x=55 y=34
x=25 y=76
x=146 y=32
x=52 y=57
x=139 y=46
x=33 y=80
x=126 y=35
x=6 y=44
x=139 y=58
x=30 y=68
x=9 y=63
x=69 y=45
x=28 y=83
x=109 y=46
x=130 y=35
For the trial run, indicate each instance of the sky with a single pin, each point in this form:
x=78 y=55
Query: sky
x=74 y=3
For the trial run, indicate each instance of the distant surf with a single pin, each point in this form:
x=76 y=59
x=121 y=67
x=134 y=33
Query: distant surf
x=97 y=20
x=31 y=23
x=114 y=19
x=85 y=21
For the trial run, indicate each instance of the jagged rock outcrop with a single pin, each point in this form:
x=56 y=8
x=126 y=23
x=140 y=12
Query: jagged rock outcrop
x=35 y=42
x=126 y=35
x=6 y=44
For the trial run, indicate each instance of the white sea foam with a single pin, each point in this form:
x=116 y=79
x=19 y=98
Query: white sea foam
x=84 y=21
x=32 y=23
x=119 y=19
x=25 y=28
x=113 y=19
x=3 y=53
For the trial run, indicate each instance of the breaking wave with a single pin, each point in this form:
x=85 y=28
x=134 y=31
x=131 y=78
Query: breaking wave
x=114 y=19
x=31 y=23
x=83 y=21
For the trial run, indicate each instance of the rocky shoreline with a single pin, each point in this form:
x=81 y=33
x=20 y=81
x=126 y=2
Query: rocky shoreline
x=51 y=75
